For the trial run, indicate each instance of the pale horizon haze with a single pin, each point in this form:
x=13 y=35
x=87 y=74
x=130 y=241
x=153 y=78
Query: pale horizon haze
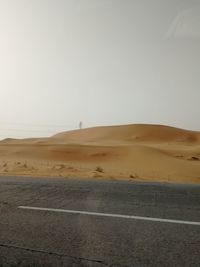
x=102 y=62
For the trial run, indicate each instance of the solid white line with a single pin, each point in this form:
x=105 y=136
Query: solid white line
x=111 y=215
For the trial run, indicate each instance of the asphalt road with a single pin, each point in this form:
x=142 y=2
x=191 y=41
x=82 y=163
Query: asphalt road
x=48 y=238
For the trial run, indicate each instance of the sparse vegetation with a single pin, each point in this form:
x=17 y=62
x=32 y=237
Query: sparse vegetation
x=70 y=167
x=25 y=165
x=194 y=158
x=135 y=176
x=99 y=169
x=62 y=166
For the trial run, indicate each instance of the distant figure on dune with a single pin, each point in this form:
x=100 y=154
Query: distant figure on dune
x=80 y=125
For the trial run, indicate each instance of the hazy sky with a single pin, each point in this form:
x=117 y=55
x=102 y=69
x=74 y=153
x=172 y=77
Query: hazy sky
x=99 y=61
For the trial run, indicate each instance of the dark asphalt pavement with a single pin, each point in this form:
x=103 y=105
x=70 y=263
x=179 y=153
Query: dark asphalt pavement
x=51 y=239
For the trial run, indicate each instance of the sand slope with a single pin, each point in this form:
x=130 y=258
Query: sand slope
x=135 y=152
x=131 y=133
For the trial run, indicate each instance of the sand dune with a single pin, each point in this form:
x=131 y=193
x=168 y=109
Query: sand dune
x=134 y=152
x=131 y=133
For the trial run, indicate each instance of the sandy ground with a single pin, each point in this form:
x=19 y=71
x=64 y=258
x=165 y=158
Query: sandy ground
x=133 y=152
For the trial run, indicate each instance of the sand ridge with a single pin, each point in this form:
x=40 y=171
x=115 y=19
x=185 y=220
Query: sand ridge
x=133 y=152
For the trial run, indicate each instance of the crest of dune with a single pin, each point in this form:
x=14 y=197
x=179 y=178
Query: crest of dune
x=130 y=133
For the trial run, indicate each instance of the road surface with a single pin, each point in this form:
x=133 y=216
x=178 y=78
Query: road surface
x=60 y=222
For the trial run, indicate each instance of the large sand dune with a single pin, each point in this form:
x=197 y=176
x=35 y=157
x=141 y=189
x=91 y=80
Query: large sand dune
x=134 y=152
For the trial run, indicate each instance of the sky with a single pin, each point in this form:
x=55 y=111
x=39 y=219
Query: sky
x=102 y=62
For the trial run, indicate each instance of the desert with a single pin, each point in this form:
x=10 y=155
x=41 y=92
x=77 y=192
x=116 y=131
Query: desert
x=136 y=152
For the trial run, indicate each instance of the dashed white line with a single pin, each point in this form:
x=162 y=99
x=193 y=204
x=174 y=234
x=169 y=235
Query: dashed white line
x=111 y=215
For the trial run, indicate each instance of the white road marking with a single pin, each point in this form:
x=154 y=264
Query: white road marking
x=111 y=215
